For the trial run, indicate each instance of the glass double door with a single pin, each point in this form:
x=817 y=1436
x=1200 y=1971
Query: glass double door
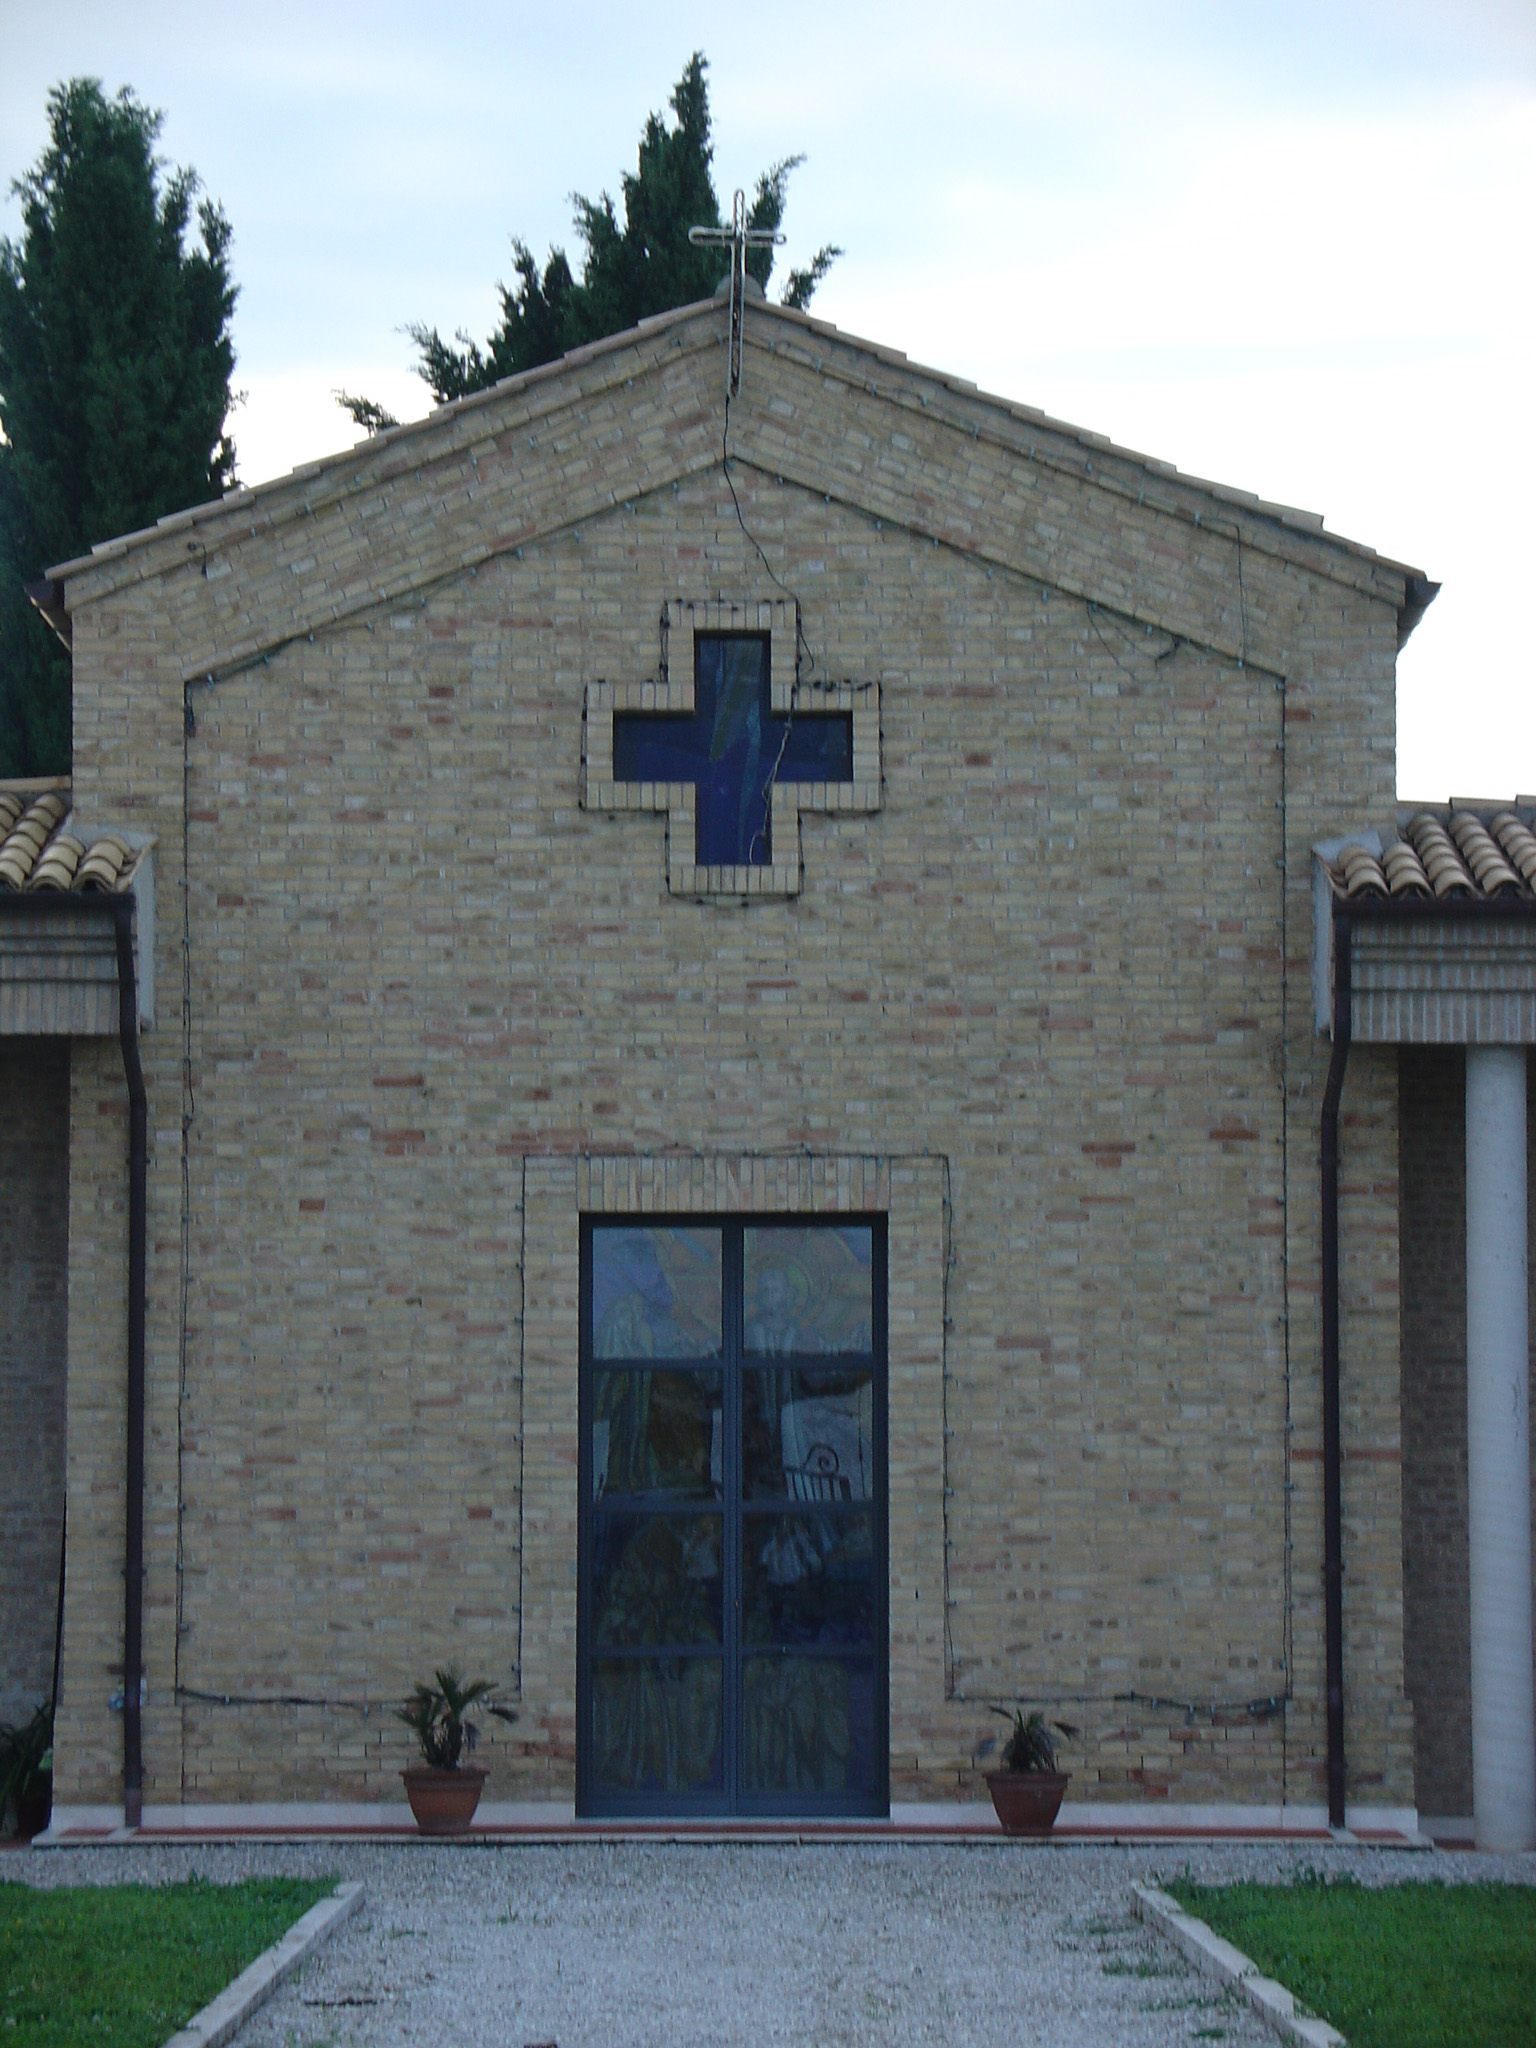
x=733 y=1610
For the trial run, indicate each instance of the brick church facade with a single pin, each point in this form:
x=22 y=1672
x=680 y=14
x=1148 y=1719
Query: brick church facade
x=731 y=1080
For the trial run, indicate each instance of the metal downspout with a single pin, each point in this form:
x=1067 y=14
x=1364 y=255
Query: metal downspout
x=1333 y=1525
x=133 y=1567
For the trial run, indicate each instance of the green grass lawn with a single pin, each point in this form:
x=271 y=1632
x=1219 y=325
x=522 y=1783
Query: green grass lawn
x=1408 y=1966
x=123 y=1966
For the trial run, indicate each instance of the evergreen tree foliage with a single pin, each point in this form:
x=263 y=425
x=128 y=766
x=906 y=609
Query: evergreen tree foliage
x=631 y=270
x=366 y=411
x=115 y=361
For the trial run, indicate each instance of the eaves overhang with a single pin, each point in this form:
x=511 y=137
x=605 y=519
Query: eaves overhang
x=1419 y=593
x=47 y=594
x=1441 y=911
x=63 y=887
x=560 y=396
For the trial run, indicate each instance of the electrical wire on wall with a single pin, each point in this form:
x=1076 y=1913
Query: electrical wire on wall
x=188 y=1115
x=738 y=238
x=805 y=669
x=1288 y=1650
x=1282 y=865
x=236 y=1696
x=320 y=1702
x=948 y=1250
x=1213 y=1710
x=522 y=1403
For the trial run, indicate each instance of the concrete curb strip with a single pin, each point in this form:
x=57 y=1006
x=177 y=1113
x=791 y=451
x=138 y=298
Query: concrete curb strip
x=218 y=2021
x=1219 y=1959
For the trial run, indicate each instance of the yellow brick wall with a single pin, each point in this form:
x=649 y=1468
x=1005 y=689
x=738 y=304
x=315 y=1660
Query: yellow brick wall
x=1046 y=973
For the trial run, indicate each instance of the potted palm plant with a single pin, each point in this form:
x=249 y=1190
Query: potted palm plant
x=26 y=1774
x=1027 y=1792
x=444 y=1788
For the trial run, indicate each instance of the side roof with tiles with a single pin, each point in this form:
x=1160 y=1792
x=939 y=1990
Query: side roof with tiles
x=40 y=851
x=1442 y=853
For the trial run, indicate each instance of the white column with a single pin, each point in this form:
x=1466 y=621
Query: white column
x=1499 y=1453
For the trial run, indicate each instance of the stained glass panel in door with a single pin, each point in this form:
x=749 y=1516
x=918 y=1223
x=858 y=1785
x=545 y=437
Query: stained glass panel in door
x=732 y=1621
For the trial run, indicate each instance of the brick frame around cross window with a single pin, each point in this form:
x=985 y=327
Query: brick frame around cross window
x=683 y=619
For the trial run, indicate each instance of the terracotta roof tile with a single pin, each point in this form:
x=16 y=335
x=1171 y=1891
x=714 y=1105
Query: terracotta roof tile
x=1443 y=853
x=1361 y=872
x=1442 y=863
x=1404 y=870
x=1491 y=870
x=40 y=850
x=1517 y=841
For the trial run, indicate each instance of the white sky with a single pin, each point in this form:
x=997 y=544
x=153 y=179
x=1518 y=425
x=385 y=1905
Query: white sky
x=1287 y=246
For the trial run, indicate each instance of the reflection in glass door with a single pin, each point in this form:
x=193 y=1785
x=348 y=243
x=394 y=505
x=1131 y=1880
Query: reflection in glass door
x=732 y=1640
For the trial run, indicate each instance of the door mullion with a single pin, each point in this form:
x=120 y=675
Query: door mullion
x=731 y=1278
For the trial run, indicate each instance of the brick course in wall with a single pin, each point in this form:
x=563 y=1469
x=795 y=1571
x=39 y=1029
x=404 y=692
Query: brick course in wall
x=34 y=1273
x=1057 y=976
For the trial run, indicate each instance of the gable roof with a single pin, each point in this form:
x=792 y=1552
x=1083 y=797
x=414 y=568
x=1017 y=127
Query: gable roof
x=920 y=472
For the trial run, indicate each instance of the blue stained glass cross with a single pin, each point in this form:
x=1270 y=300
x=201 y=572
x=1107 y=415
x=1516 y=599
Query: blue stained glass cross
x=733 y=748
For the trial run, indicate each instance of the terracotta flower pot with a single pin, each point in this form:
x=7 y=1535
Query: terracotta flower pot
x=444 y=1802
x=1028 y=1802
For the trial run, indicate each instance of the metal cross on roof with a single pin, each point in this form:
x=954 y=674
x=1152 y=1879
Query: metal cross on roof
x=738 y=238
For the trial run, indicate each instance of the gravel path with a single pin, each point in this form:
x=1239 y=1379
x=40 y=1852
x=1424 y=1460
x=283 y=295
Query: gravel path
x=629 y=1945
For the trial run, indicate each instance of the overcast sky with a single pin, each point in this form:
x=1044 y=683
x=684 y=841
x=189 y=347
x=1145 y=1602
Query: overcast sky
x=1286 y=246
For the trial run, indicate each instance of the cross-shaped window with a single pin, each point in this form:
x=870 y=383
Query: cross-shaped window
x=733 y=748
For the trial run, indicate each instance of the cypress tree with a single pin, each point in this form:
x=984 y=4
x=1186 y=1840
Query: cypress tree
x=115 y=361
x=644 y=265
